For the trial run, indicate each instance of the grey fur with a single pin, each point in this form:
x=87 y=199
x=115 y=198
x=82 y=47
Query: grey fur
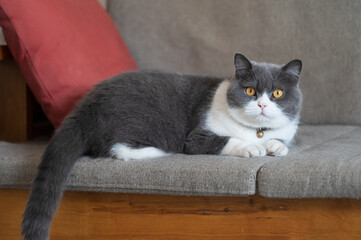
x=145 y=108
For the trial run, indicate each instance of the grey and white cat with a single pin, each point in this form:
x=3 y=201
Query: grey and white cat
x=149 y=114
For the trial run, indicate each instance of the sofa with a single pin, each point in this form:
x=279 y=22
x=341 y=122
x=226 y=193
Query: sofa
x=318 y=182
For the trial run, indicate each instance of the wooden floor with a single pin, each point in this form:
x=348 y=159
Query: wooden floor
x=110 y=216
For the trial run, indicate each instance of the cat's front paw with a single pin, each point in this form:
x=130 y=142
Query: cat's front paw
x=251 y=150
x=275 y=148
x=238 y=148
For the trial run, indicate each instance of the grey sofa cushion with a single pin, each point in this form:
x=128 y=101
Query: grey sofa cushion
x=202 y=36
x=329 y=168
x=335 y=148
x=176 y=174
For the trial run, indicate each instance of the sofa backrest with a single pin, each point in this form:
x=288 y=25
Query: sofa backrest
x=202 y=36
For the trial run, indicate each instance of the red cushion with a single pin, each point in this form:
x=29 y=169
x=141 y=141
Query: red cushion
x=63 y=48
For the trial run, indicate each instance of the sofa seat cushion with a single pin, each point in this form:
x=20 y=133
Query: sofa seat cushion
x=325 y=146
x=326 y=163
x=175 y=174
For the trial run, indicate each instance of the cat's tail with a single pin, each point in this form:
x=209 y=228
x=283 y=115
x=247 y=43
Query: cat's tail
x=66 y=146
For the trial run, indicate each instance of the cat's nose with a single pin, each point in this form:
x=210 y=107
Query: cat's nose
x=262 y=106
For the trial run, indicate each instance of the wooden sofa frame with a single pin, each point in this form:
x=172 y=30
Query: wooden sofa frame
x=110 y=216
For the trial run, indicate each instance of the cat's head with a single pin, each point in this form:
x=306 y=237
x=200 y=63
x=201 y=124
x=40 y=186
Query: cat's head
x=263 y=94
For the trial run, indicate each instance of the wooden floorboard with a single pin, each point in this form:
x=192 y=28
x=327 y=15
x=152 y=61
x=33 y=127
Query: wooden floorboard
x=110 y=216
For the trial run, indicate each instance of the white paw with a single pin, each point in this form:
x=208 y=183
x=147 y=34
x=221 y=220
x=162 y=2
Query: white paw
x=251 y=150
x=275 y=148
x=236 y=147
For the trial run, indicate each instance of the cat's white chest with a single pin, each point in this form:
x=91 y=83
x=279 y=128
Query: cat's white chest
x=219 y=121
x=222 y=124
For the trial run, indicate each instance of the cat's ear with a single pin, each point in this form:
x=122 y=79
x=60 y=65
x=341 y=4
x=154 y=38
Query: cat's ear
x=294 y=67
x=241 y=62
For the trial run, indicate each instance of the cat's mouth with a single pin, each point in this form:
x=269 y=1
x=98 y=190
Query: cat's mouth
x=263 y=114
x=258 y=114
x=263 y=117
x=250 y=118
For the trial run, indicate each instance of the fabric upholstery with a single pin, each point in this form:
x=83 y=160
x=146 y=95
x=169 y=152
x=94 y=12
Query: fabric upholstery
x=176 y=174
x=325 y=162
x=330 y=168
x=63 y=48
x=202 y=36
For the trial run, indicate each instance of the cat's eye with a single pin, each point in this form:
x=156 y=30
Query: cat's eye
x=278 y=93
x=250 y=91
